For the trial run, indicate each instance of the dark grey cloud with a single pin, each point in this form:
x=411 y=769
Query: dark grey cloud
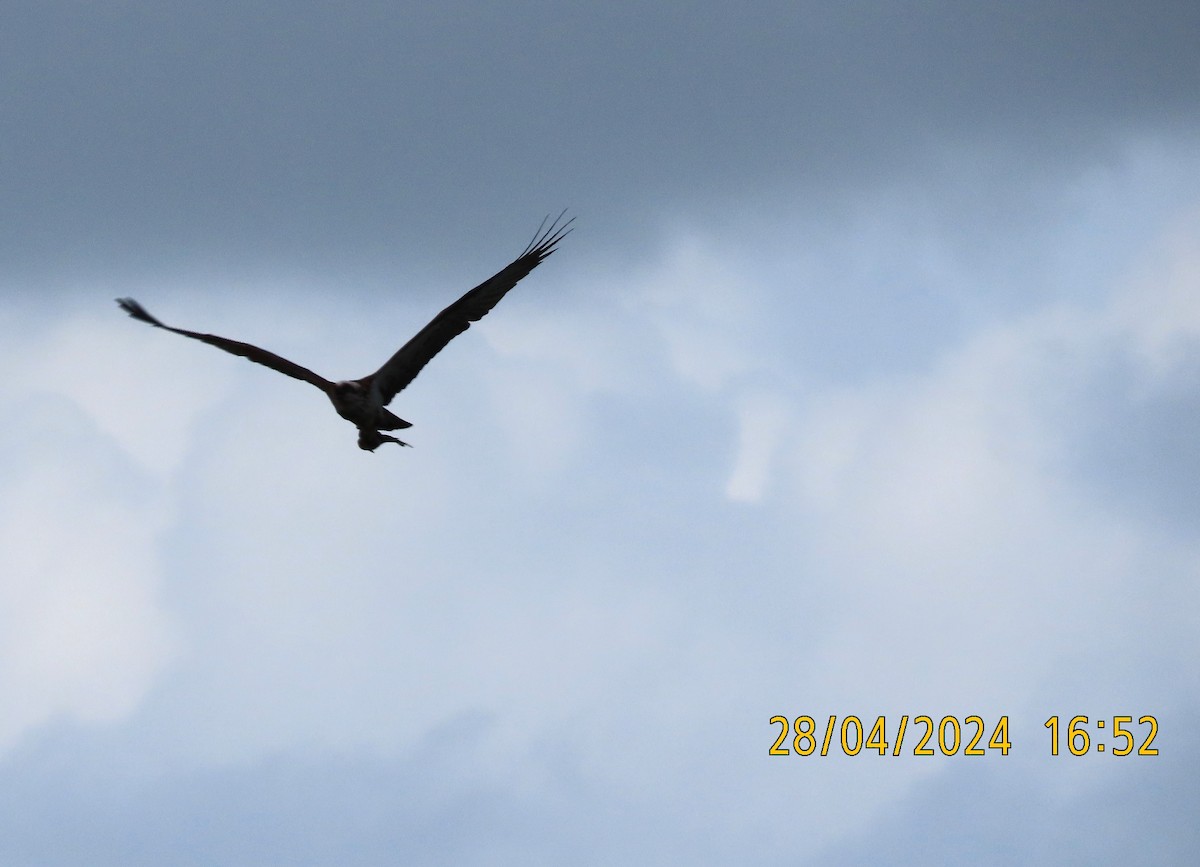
x=137 y=136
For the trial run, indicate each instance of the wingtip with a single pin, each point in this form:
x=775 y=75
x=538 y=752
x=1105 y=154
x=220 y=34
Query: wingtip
x=546 y=239
x=137 y=311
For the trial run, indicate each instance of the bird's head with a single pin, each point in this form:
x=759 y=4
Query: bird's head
x=347 y=387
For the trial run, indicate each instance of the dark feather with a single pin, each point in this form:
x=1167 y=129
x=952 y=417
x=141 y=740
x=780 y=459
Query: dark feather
x=245 y=350
x=406 y=363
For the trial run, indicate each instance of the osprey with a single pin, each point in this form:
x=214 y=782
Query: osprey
x=362 y=401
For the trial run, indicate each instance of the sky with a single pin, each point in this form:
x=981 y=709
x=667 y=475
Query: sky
x=866 y=385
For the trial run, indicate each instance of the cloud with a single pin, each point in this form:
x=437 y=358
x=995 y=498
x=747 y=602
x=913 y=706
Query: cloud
x=98 y=420
x=85 y=634
x=195 y=136
x=944 y=524
x=831 y=415
x=138 y=389
x=921 y=542
x=763 y=421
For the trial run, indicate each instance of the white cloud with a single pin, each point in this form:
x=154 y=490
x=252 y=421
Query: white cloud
x=763 y=420
x=961 y=563
x=1161 y=309
x=704 y=310
x=142 y=387
x=918 y=545
x=82 y=631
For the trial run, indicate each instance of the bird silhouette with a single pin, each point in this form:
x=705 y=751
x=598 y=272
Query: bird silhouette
x=363 y=401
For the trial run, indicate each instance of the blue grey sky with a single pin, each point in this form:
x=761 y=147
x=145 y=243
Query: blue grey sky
x=867 y=384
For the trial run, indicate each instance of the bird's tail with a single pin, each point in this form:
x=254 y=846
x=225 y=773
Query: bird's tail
x=388 y=420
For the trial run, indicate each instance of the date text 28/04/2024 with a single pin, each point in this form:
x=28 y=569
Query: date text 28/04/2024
x=953 y=737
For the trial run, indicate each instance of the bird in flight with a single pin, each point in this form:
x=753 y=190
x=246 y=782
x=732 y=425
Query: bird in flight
x=362 y=401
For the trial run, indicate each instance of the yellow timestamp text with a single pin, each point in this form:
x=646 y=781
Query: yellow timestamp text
x=1083 y=737
x=970 y=737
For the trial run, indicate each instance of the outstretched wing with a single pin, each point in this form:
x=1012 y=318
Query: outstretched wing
x=402 y=368
x=245 y=350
